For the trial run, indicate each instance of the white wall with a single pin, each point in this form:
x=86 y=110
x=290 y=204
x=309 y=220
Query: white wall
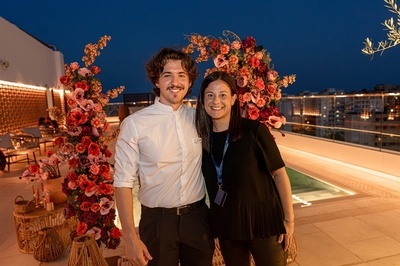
x=30 y=61
x=384 y=162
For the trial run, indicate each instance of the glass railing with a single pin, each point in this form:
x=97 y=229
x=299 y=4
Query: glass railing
x=371 y=120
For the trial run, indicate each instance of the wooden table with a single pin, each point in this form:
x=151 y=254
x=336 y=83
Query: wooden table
x=27 y=226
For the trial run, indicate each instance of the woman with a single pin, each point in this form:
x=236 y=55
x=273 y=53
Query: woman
x=250 y=198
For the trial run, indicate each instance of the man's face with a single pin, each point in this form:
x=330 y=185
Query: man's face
x=173 y=84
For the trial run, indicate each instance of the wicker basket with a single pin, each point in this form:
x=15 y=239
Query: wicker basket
x=50 y=245
x=23 y=206
x=85 y=252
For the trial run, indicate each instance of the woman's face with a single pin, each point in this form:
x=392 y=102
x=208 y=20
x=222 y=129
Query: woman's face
x=218 y=101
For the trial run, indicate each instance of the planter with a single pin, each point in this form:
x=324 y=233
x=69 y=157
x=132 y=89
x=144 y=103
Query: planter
x=53 y=187
x=85 y=252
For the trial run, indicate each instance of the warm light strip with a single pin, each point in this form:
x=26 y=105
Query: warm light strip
x=20 y=85
x=59 y=91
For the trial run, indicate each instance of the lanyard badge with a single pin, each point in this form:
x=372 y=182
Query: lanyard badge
x=221 y=194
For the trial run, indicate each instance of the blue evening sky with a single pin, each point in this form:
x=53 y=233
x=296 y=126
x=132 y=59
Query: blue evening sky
x=318 y=40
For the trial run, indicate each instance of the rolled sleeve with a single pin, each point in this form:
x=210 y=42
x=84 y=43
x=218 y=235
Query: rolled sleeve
x=126 y=156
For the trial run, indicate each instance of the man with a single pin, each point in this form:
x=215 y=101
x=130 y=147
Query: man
x=159 y=146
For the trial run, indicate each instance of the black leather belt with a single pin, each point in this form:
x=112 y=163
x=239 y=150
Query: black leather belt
x=182 y=210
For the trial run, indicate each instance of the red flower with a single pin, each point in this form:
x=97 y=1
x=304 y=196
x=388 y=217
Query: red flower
x=34 y=169
x=59 y=141
x=249 y=64
x=64 y=79
x=72 y=175
x=253 y=113
x=214 y=44
x=94 y=149
x=95 y=70
x=80 y=147
x=86 y=140
x=88 y=184
x=73 y=162
x=115 y=232
x=106 y=189
x=77 y=117
x=95 y=207
x=85 y=206
x=81 y=228
x=107 y=153
x=82 y=85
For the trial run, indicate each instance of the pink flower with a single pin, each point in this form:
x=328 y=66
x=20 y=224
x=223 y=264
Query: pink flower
x=272 y=75
x=105 y=205
x=74 y=66
x=94 y=231
x=276 y=121
x=96 y=122
x=233 y=60
x=247 y=97
x=84 y=72
x=260 y=103
x=94 y=169
x=220 y=61
x=259 y=87
x=224 y=49
x=242 y=81
x=236 y=45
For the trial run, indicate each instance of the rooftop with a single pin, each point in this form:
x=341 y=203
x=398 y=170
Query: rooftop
x=362 y=229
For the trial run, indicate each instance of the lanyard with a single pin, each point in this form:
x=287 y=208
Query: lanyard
x=218 y=168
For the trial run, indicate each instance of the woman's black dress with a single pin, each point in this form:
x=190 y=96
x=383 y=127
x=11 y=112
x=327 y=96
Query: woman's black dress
x=252 y=207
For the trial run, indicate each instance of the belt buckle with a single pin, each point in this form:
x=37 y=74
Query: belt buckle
x=178 y=209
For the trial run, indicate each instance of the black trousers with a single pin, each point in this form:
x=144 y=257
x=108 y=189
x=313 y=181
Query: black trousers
x=173 y=239
x=265 y=251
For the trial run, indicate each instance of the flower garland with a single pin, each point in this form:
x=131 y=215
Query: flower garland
x=259 y=85
x=89 y=182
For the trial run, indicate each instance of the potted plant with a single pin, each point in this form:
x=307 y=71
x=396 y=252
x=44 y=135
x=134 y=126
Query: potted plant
x=47 y=173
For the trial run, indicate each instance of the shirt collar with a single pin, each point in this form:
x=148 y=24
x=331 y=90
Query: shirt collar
x=165 y=107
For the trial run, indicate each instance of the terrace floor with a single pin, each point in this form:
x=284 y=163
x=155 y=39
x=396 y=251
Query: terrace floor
x=363 y=229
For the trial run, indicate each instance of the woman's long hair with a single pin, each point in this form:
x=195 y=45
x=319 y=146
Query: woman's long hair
x=203 y=120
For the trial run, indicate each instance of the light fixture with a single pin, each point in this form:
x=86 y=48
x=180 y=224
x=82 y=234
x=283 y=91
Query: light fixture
x=4 y=64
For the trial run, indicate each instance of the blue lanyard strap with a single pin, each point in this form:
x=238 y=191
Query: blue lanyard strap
x=218 y=168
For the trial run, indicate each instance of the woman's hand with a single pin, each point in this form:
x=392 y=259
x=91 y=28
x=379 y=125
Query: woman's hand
x=288 y=237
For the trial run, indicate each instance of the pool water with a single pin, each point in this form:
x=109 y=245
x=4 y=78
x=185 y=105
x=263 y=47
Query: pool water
x=306 y=189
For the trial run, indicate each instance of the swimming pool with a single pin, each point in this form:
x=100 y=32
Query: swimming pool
x=306 y=189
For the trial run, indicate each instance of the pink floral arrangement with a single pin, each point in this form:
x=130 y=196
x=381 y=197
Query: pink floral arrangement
x=89 y=181
x=47 y=168
x=259 y=85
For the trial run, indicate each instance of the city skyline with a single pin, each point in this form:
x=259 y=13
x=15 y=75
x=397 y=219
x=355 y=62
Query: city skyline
x=321 y=44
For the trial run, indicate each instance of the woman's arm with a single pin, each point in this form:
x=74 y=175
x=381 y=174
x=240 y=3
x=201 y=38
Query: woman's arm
x=282 y=182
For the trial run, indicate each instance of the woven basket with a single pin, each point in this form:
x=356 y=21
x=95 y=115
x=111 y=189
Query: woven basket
x=23 y=206
x=50 y=245
x=85 y=252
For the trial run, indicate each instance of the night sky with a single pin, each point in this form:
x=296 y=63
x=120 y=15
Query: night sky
x=319 y=41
